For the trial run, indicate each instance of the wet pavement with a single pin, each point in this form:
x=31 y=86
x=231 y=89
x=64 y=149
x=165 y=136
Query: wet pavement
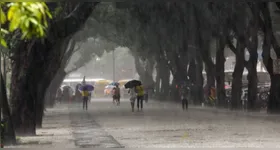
x=164 y=125
x=87 y=132
x=160 y=125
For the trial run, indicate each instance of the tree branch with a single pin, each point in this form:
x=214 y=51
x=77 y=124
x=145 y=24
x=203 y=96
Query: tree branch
x=230 y=45
x=78 y=48
x=68 y=54
x=73 y=22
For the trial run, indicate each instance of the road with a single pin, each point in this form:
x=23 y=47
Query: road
x=165 y=125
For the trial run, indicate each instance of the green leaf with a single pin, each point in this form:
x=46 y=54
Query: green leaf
x=34 y=21
x=3 y=18
x=14 y=24
x=3 y=42
x=4 y=31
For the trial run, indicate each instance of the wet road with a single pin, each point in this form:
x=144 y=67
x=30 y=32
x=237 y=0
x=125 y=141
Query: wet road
x=165 y=125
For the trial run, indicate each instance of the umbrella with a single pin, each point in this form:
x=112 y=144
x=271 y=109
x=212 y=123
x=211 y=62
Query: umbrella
x=132 y=83
x=114 y=83
x=66 y=87
x=88 y=87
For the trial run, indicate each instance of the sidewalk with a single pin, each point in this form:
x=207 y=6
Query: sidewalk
x=56 y=131
x=87 y=132
x=258 y=115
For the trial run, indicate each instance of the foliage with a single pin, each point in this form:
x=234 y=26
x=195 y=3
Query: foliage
x=31 y=18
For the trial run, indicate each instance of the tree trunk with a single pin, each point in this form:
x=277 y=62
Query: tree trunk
x=252 y=81
x=164 y=90
x=174 y=87
x=220 y=72
x=157 y=83
x=237 y=76
x=209 y=67
x=269 y=40
x=22 y=101
x=193 y=78
x=144 y=71
x=199 y=81
x=252 y=46
x=149 y=69
x=55 y=84
x=36 y=63
x=10 y=137
x=51 y=66
x=164 y=79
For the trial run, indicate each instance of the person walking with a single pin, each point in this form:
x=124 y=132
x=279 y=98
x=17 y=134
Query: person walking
x=59 y=95
x=132 y=98
x=183 y=93
x=85 y=95
x=140 y=96
x=116 y=94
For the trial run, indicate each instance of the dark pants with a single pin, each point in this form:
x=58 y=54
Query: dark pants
x=85 y=102
x=184 y=103
x=140 y=100
x=117 y=99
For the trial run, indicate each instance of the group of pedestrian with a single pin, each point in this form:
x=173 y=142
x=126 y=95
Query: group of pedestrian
x=137 y=93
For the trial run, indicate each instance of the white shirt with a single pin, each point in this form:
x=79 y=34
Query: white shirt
x=132 y=92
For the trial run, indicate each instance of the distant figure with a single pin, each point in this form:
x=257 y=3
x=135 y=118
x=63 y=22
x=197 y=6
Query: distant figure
x=85 y=95
x=65 y=94
x=132 y=98
x=140 y=96
x=59 y=95
x=116 y=94
x=183 y=93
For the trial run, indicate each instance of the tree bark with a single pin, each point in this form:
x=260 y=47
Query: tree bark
x=55 y=84
x=220 y=72
x=35 y=65
x=199 y=81
x=237 y=75
x=269 y=40
x=145 y=70
x=22 y=102
x=252 y=47
x=157 y=83
x=193 y=78
x=164 y=77
x=10 y=137
x=252 y=81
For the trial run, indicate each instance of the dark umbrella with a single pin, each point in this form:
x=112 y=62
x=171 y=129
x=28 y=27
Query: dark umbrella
x=87 y=87
x=132 y=83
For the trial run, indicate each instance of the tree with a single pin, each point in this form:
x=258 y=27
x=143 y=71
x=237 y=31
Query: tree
x=31 y=19
x=39 y=60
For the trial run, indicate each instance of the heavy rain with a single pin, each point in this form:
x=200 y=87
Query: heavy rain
x=159 y=74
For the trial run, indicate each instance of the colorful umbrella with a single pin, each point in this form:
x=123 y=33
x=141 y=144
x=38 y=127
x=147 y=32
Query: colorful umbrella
x=114 y=83
x=86 y=87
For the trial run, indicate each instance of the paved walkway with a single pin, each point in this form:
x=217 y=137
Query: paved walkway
x=87 y=132
x=56 y=131
x=165 y=125
x=160 y=125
